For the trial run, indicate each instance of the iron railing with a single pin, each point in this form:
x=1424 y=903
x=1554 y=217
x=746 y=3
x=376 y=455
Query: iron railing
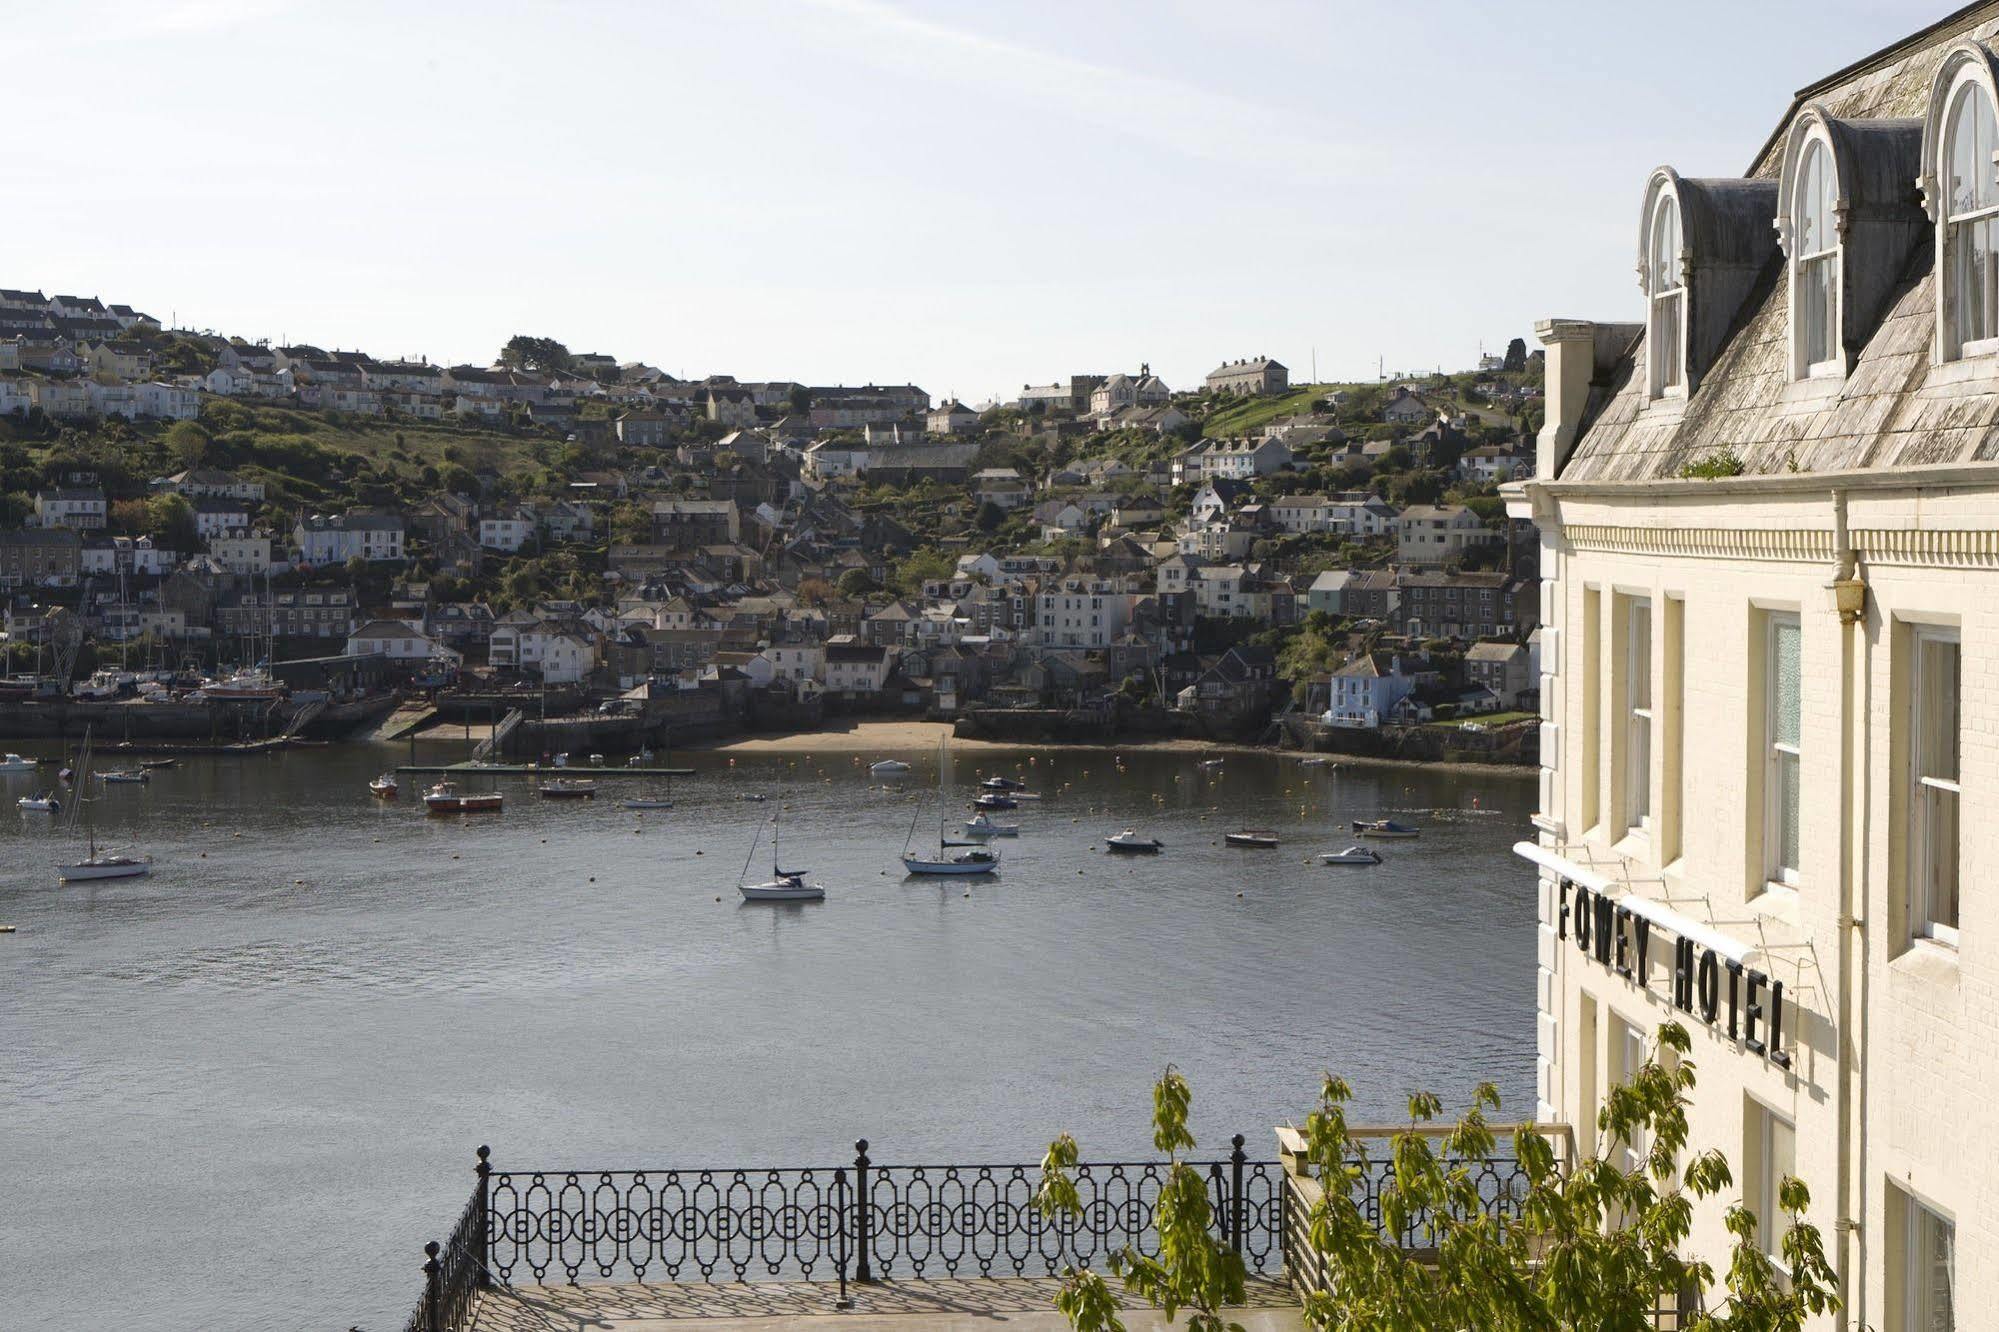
x=454 y=1272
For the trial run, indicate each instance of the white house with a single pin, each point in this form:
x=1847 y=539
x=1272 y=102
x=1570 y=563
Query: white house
x=1433 y=534
x=214 y=517
x=335 y=539
x=1365 y=691
x=1241 y=459
x=507 y=530
x=856 y=668
x=241 y=551
x=797 y=661
x=82 y=508
x=397 y=640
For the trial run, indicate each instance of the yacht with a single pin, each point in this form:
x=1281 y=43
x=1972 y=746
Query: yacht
x=784 y=885
x=949 y=858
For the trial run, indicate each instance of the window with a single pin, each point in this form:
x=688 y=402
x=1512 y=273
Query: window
x=1627 y=1057
x=1929 y=1271
x=1665 y=296
x=1673 y=687
x=1638 y=716
x=1815 y=271
x=1781 y=715
x=1590 y=678
x=1971 y=222
x=1933 y=789
x=1770 y=1153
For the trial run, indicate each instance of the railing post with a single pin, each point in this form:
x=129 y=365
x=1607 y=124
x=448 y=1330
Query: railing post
x=1236 y=1160
x=840 y=1254
x=483 y=1279
x=863 y=1271
x=433 y=1289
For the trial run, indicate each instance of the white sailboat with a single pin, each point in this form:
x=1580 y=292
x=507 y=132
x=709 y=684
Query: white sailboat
x=96 y=864
x=785 y=885
x=950 y=858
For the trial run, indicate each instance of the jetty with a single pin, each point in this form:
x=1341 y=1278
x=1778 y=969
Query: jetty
x=534 y=770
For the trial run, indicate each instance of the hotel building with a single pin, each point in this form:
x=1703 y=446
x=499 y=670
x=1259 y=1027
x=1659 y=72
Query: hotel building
x=1769 y=511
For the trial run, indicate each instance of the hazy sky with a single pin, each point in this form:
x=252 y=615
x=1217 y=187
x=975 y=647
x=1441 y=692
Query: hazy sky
x=966 y=195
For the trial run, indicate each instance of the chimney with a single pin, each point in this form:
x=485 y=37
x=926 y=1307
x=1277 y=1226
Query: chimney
x=1577 y=350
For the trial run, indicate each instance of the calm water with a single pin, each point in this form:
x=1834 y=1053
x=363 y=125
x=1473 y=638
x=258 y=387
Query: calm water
x=240 y=1094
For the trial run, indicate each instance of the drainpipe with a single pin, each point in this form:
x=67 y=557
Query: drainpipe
x=1849 y=598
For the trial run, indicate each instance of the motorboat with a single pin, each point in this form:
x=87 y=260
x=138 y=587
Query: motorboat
x=972 y=860
x=1384 y=828
x=648 y=802
x=567 y=788
x=1261 y=839
x=40 y=804
x=15 y=763
x=384 y=787
x=784 y=888
x=784 y=885
x=995 y=800
x=127 y=776
x=1353 y=855
x=1002 y=784
x=1130 y=842
x=105 y=865
x=981 y=826
x=889 y=768
x=156 y=765
x=446 y=798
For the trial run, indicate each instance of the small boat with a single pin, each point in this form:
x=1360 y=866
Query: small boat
x=888 y=768
x=568 y=788
x=753 y=796
x=41 y=804
x=15 y=763
x=648 y=802
x=1353 y=855
x=1262 y=839
x=784 y=888
x=104 y=865
x=1129 y=842
x=383 y=787
x=1002 y=784
x=596 y=760
x=981 y=826
x=1209 y=765
x=128 y=776
x=155 y=765
x=994 y=800
x=948 y=840
x=1315 y=763
x=975 y=860
x=1384 y=828
x=446 y=798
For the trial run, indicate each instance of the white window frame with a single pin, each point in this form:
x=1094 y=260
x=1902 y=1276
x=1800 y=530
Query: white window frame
x=1830 y=254
x=1627 y=1056
x=1921 y=851
x=1665 y=375
x=1919 y=1264
x=1640 y=729
x=1966 y=83
x=1775 y=873
x=1770 y=1221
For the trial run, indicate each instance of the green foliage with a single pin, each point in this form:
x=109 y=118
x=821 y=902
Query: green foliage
x=1712 y=466
x=1194 y=1271
x=919 y=567
x=188 y=442
x=529 y=353
x=855 y=583
x=170 y=522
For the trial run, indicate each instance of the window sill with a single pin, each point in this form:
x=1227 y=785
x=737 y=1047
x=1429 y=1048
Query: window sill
x=1927 y=960
x=1971 y=366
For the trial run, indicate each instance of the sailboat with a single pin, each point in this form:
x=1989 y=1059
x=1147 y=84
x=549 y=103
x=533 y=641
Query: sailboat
x=950 y=858
x=785 y=885
x=665 y=799
x=96 y=864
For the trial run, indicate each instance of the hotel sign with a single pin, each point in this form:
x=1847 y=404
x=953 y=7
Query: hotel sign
x=1706 y=985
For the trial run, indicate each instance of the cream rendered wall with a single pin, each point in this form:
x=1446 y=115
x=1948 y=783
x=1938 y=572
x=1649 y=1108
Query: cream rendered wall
x=1925 y=1029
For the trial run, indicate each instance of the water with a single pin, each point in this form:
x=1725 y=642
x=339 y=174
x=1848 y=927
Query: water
x=234 y=1100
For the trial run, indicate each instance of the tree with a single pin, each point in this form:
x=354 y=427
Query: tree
x=1516 y=355
x=170 y=523
x=813 y=591
x=527 y=353
x=989 y=517
x=188 y=443
x=1587 y=1247
x=631 y=524
x=920 y=567
x=855 y=583
x=799 y=399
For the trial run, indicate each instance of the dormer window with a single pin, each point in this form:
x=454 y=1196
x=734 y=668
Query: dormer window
x=1815 y=264
x=1960 y=184
x=1665 y=293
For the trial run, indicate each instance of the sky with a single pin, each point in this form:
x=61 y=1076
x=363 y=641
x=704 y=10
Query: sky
x=966 y=196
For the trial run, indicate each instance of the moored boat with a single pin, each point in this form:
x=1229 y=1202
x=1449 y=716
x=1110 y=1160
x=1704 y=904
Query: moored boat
x=648 y=802
x=1384 y=828
x=784 y=888
x=981 y=826
x=46 y=803
x=446 y=798
x=128 y=776
x=1261 y=839
x=156 y=765
x=384 y=787
x=974 y=860
x=1002 y=784
x=1353 y=855
x=1130 y=842
x=567 y=788
x=995 y=800
x=888 y=768
x=15 y=763
x=104 y=865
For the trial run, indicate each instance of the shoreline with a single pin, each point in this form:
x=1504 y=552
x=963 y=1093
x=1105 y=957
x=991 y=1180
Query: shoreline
x=908 y=737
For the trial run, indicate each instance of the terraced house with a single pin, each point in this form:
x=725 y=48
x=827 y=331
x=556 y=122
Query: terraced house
x=1768 y=505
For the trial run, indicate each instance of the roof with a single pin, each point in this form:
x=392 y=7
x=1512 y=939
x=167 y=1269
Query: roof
x=1250 y=367
x=1494 y=652
x=388 y=629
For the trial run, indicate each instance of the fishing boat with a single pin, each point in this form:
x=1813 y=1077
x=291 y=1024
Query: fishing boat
x=1130 y=842
x=648 y=802
x=384 y=787
x=46 y=803
x=888 y=768
x=784 y=885
x=1353 y=855
x=156 y=765
x=446 y=798
x=1261 y=839
x=981 y=826
x=568 y=788
x=1384 y=828
x=995 y=800
x=951 y=857
x=15 y=763
x=127 y=776
x=95 y=864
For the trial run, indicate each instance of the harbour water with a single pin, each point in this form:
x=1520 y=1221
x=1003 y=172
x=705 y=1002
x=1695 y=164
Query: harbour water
x=241 y=1093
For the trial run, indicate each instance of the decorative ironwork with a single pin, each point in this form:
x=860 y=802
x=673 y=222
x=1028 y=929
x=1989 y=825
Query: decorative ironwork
x=454 y=1271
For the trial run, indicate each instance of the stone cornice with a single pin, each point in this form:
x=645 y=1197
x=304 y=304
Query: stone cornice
x=1961 y=548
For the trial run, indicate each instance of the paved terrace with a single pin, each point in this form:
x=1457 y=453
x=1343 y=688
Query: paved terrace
x=992 y=1304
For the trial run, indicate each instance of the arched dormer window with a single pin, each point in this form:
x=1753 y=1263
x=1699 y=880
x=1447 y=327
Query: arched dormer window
x=1662 y=267
x=1960 y=186
x=1810 y=226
